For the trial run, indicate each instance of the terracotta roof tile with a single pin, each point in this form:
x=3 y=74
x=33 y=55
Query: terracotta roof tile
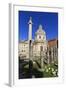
x=52 y=42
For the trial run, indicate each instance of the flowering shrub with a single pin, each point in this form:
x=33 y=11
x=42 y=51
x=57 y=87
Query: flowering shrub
x=51 y=71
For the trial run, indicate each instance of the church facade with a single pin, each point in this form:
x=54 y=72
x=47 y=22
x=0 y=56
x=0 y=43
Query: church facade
x=40 y=46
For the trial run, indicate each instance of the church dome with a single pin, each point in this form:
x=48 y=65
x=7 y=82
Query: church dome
x=40 y=30
x=40 y=35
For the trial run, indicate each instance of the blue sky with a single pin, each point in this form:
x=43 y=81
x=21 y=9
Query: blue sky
x=48 y=20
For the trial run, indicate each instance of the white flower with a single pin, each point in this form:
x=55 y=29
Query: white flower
x=54 y=73
x=46 y=70
x=52 y=69
x=49 y=68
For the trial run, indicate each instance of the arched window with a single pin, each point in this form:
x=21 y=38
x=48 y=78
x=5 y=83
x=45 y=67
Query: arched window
x=40 y=37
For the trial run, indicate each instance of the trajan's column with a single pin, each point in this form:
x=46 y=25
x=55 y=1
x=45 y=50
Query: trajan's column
x=30 y=38
x=30 y=29
x=30 y=48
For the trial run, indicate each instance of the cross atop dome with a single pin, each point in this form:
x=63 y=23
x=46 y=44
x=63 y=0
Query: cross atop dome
x=40 y=26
